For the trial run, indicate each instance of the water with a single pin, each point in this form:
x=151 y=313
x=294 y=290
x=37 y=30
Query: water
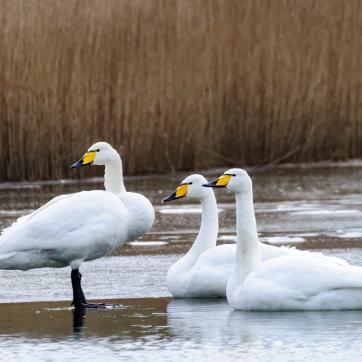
x=311 y=208
x=169 y=330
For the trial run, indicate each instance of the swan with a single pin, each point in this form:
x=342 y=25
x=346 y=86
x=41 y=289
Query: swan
x=78 y=227
x=295 y=282
x=205 y=269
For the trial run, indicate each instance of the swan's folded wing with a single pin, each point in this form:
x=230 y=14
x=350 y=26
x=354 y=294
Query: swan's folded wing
x=219 y=256
x=271 y=251
x=25 y=218
x=72 y=221
x=310 y=276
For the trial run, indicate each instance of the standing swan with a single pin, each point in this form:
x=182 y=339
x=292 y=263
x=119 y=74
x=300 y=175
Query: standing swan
x=205 y=269
x=78 y=227
x=298 y=282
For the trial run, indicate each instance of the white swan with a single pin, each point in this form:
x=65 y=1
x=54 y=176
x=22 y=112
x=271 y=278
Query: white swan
x=298 y=282
x=205 y=269
x=78 y=227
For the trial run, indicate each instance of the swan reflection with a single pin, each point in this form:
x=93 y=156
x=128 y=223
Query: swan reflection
x=214 y=321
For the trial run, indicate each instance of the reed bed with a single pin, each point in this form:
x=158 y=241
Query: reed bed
x=178 y=84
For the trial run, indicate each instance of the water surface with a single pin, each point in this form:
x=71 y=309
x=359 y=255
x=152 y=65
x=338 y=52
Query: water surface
x=315 y=208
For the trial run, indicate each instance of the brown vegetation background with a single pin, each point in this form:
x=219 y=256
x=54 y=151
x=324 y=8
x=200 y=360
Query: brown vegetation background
x=178 y=84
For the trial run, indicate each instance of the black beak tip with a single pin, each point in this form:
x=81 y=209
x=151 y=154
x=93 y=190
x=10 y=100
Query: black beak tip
x=169 y=198
x=77 y=164
x=210 y=184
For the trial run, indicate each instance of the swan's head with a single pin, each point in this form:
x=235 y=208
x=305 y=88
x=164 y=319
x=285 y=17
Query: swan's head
x=190 y=187
x=101 y=153
x=235 y=180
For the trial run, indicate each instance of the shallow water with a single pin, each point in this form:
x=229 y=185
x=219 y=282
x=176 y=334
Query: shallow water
x=171 y=330
x=311 y=208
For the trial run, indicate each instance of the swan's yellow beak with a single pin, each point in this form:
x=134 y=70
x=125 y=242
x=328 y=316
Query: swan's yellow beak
x=180 y=192
x=222 y=181
x=87 y=159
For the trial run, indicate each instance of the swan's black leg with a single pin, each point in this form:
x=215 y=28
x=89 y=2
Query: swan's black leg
x=82 y=297
x=78 y=295
x=79 y=300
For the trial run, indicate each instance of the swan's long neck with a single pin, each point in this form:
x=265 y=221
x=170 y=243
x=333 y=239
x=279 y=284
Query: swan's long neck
x=207 y=235
x=113 y=176
x=248 y=247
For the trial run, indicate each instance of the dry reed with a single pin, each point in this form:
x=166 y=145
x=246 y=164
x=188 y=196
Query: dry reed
x=178 y=84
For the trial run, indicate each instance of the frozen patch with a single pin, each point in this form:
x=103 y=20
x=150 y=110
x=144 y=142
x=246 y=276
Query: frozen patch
x=278 y=240
x=147 y=243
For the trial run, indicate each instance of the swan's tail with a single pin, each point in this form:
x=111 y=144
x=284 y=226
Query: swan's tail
x=6 y=256
x=4 y=260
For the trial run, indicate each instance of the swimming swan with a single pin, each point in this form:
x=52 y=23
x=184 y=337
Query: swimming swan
x=205 y=269
x=78 y=227
x=297 y=282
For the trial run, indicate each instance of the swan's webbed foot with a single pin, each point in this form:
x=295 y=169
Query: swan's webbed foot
x=97 y=306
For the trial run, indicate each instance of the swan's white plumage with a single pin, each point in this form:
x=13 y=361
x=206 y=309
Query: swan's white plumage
x=292 y=282
x=29 y=216
x=73 y=228
x=204 y=271
x=86 y=226
x=299 y=283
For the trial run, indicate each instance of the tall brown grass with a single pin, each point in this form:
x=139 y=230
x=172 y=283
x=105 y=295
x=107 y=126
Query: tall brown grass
x=178 y=84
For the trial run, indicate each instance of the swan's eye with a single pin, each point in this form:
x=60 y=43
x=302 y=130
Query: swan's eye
x=190 y=183
x=98 y=150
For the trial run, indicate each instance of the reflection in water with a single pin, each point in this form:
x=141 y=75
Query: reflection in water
x=267 y=334
x=290 y=327
x=164 y=329
x=214 y=320
x=78 y=321
x=199 y=319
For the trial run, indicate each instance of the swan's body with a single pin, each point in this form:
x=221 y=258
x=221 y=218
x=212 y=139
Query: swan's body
x=67 y=232
x=205 y=269
x=296 y=282
x=78 y=227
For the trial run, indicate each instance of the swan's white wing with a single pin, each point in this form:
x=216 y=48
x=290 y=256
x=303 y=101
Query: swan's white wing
x=271 y=251
x=209 y=275
x=85 y=225
x=34 y=213
x=218 y=256
x=310 y=275
x=222 y=255
x=299 y=282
